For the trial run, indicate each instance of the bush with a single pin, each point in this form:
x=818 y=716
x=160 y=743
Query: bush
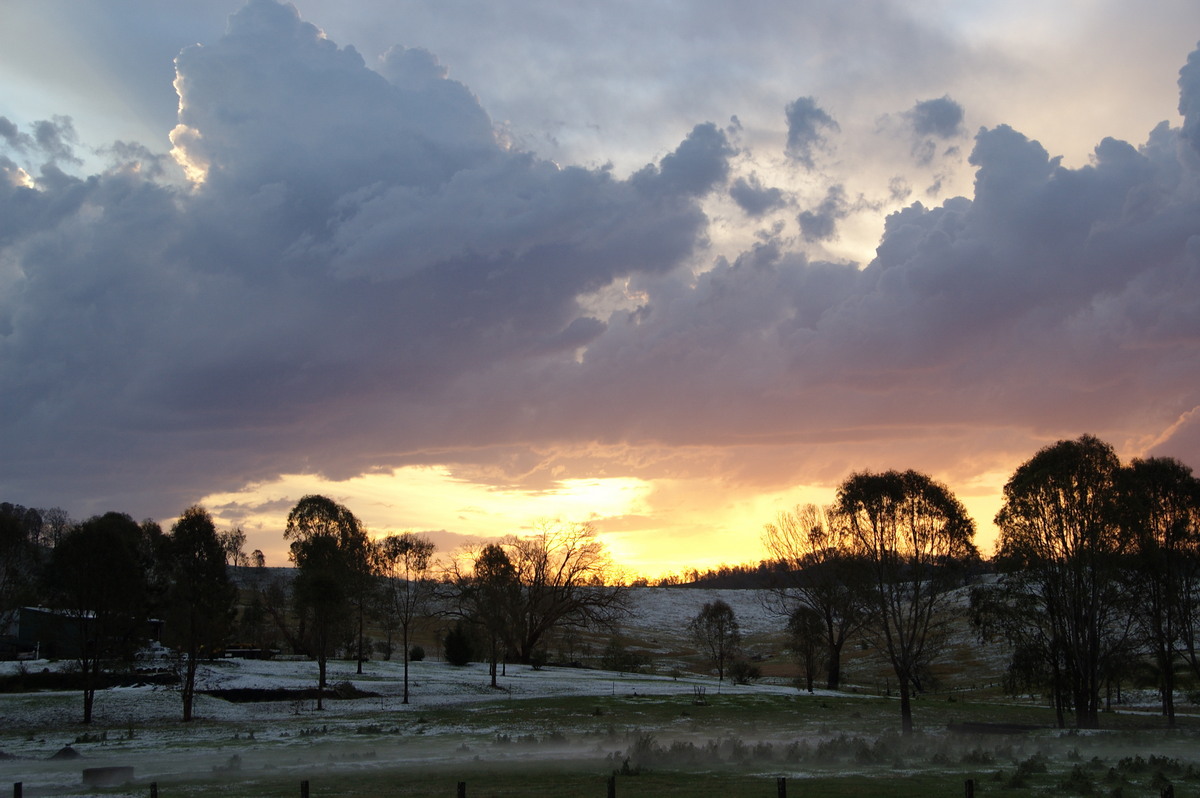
x=416 y=654
x=459 y=649
x=743 y=671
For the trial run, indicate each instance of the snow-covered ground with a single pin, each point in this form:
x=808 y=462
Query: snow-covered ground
x=140 y=725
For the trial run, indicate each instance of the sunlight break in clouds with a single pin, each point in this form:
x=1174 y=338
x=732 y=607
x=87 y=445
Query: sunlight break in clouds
x=671 y=272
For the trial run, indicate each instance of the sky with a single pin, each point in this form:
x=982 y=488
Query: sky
x=667 y=268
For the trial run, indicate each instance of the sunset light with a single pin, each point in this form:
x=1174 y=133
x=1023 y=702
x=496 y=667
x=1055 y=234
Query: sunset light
x=669 y=274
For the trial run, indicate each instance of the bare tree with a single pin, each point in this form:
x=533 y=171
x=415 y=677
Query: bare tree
x=819 y=570
x=564 y=573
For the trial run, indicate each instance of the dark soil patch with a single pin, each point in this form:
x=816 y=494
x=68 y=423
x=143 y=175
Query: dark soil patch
x=36 y=681
x=246 y=695
x=995 y=728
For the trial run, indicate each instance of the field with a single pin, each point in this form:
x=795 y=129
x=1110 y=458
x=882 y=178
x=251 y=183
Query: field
x=566 y=731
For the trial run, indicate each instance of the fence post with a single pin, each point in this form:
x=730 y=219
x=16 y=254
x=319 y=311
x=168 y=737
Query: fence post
x=462 y=789
x=304 y=789
x=781 y=787
x=970 y=785
x=612 y=787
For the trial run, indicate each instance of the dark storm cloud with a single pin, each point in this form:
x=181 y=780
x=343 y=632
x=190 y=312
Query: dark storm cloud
x=1189 y=99
x=807 y=125
x=357 y=239
x=754 y=198
x=942 y=118
x=820 y=223
x=367 y=278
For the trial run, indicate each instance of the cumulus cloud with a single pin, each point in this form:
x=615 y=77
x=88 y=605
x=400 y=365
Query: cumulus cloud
x=820 y=223
x=362 y=276
x=808 y=126
x=942 y=118
x=754 y=198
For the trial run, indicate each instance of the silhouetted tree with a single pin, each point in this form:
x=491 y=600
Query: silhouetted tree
x=98 y=583
x=715 y=630
x=807 y=631
x=492 y=594
x=404 y=564
x=20 y=530
x=1061 y=552
x=200 y=597
x=913 y=533
x=1160 y=507
x=331 y=551
x=819 y=570
x=564 y=574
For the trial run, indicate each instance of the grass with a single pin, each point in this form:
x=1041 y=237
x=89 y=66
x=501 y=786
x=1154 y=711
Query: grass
x=735 y=746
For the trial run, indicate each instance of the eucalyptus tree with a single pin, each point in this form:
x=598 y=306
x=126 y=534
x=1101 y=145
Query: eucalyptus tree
x=405 y=563
x=1160 y=510
x=332 y=552
x=913 y=535
x=20 y=533
x=489 y=597
x=1062 y=553
x=200 y=597
x=819 y=583
x=97 y=582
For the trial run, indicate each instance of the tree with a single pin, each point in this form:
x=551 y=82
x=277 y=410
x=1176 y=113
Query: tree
x=233 y=542
x=1060 y=549
x=912 y=533
x=20 y=529
x=817 y=569
x=492 y=595
x=715 y=630
x=404 y=563
x=200 y=597
x=97 y=581
x=1160 y=510
x=806 y=628
x=330 y=549
x=563 y=571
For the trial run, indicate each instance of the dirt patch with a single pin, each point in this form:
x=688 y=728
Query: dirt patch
x=246 y=695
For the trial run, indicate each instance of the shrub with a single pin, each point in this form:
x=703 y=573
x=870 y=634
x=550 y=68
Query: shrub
x=459 y=649
x=416 y=654
x=743 y=671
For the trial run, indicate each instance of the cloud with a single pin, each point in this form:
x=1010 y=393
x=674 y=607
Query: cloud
x=754 y=198
x=941 y=118
x=807 y=126
x=364 y=276
x=820 y=223
x=1189 y=99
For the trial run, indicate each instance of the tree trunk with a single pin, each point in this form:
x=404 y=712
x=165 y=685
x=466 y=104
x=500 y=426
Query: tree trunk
x=89 y=697
x=321 y=681
x=833 y=674
x=906 y=720
x=405 y=653
x=189 y=686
